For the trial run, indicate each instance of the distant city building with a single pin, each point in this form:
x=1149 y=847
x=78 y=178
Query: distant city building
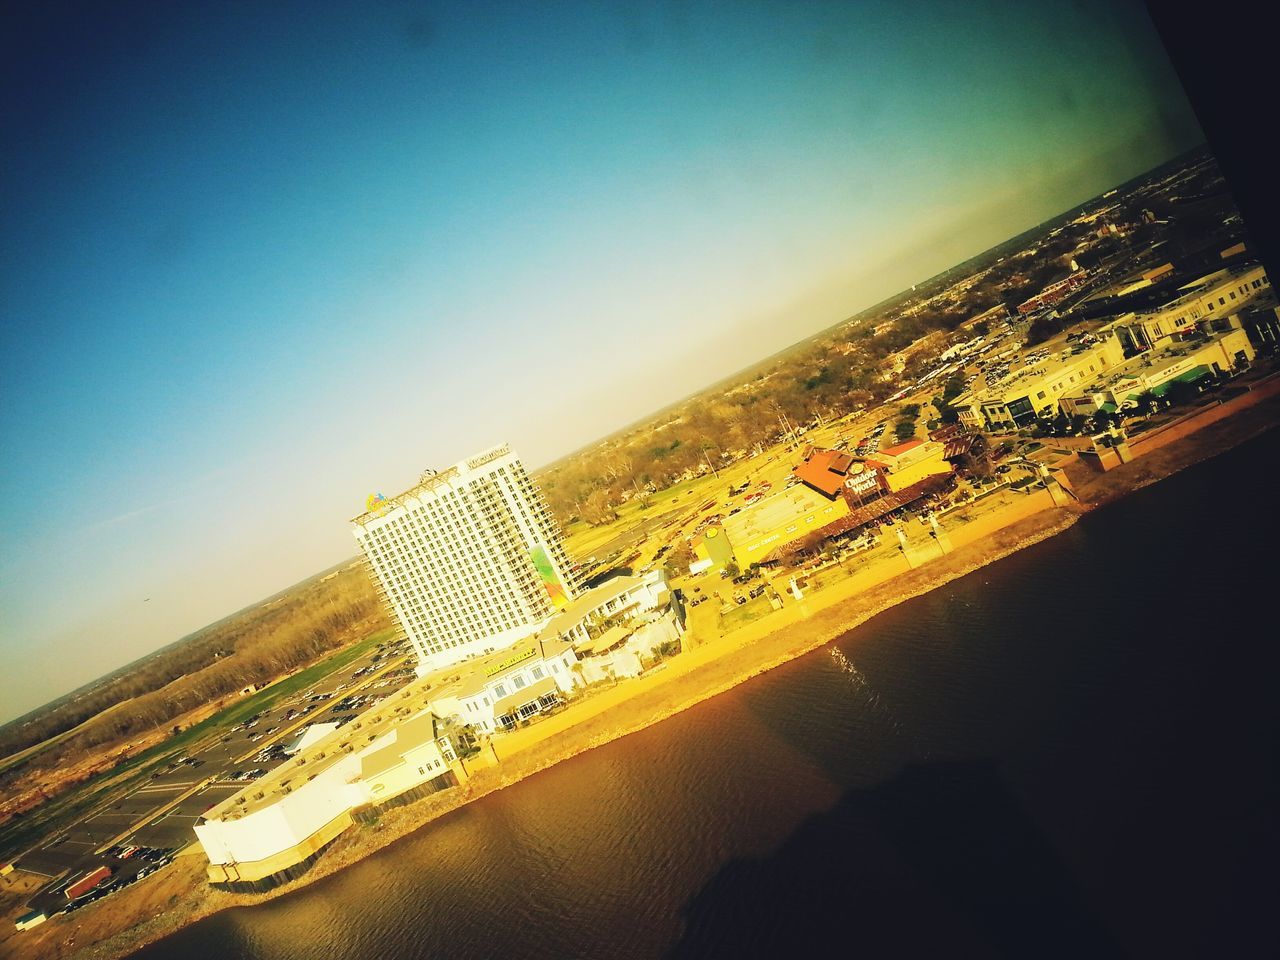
x=1054 y=293
x=1192 y=332
x=468 y=559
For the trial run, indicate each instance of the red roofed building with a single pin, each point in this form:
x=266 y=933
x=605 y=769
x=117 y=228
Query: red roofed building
x=824 y=471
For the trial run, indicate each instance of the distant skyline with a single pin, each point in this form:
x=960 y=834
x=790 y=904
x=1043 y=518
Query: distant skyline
x=260 y=260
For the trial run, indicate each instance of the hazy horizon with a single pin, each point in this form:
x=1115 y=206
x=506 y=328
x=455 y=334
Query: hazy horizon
x=259 y=263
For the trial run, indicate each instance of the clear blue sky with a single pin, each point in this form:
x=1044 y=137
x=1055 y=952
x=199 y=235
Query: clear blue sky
x=259 y=259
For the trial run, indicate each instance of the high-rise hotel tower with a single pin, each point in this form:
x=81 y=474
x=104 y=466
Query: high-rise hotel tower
x=469 y=559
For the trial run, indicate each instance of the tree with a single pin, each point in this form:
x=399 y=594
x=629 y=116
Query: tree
x=1148 y=402
x=679 y=558
x=597 y=509
x=1180 y=392
x=904 y=430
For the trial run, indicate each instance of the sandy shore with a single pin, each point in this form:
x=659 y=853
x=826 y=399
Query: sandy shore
x=180 y=894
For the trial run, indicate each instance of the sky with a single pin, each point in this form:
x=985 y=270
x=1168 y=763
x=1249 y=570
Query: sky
x=259 y=260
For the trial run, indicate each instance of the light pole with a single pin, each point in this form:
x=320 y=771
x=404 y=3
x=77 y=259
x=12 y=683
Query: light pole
x=706 y=459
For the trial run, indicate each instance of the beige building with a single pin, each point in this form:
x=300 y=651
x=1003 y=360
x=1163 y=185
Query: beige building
x=499 y=691
x=1213 y=347
x=1213 y=296
x=1035 y=391
x=908 y=463
x=778 y=519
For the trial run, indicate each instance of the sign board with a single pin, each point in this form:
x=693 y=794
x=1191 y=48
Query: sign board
x=509 y=662
x=477 y=462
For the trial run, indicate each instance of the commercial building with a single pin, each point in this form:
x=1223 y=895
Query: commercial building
x=32 y=918
x=519 y=683
x=778 y=519
x=1212 y=296
x=277 y=824
x=1209 y=349
x=1035 y=391
x=499 y=691
x=468 y=560
x=907 y=464
x=837 y=492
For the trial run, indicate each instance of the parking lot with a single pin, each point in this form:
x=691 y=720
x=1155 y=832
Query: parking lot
x=160 y=814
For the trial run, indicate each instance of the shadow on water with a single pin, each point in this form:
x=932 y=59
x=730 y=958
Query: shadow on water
x=940 y=858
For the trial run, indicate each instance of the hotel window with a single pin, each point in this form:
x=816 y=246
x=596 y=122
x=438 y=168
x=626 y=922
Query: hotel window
x=499 y=691
x=517 y=681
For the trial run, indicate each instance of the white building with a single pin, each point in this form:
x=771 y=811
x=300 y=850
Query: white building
x=300 y=806
x=535 y=675
x=1215 y=295
x=516 y=684
x=469 y=559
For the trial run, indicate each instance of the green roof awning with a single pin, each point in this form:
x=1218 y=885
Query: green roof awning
x=1194 y=374
x=1108 y=408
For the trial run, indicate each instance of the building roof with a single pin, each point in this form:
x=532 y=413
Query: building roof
x=892 y=501
x=389 y=751
x=567 y=618
x=610 y=638
x=824 y=470
x=523 y=696
x=901 y=448
x=958 y=445
x=309 y=735
x=429 y=481
x=775 y=510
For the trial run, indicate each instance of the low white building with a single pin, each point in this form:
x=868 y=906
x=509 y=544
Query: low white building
x=279 y=822
x=405 y=757
x=516 y=684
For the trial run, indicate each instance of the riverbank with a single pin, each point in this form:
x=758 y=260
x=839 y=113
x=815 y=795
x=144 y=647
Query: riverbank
x=179 y=895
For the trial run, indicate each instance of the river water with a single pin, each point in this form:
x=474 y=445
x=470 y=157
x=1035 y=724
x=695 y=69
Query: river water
x=1068 y=753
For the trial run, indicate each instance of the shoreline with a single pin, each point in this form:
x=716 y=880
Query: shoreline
x=717 y=669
